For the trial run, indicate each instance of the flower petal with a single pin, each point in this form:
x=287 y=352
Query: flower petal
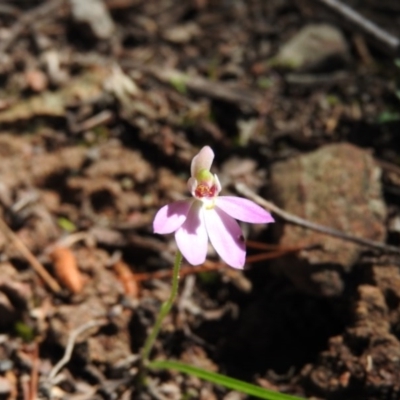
x=202 y=160
x=226 y=237
x=191 y=237
x=243 y=209
x=217 y=184
x=191 y=185
x=170 y=217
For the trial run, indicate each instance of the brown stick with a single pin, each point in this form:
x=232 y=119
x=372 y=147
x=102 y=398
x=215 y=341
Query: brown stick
x=34 y=373
x=29 y=17
x=294 y=219
x=388 y=42
x=241 y=96
x=33 y=261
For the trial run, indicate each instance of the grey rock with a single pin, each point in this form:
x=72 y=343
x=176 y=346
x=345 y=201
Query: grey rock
x=181 y=34
x=315 y=47
x=93 y=16
x=337 y=186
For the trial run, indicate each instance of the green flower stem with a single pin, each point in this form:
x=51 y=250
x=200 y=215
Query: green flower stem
x=165 y=309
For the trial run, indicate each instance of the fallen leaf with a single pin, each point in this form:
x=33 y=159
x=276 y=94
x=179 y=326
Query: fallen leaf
x=127 y=278
x=66 y=269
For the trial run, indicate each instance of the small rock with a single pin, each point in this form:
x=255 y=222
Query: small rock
x=234 y=396
x=36 y=80
x=5 y=386
x=337 y=186
x=181 y=34
x=370 y=315
x=315 y=47
x=93 y=17
x=387 y=278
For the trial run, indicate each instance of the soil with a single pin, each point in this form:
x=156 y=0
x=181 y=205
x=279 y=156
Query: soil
x=101 y=111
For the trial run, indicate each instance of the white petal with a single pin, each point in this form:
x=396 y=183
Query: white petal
x=192 y=185
x=203 y=160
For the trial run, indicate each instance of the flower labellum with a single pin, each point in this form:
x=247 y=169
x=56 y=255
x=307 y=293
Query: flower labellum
x=209 y=216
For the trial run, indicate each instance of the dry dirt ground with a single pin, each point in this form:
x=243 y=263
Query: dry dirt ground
x=102 y=106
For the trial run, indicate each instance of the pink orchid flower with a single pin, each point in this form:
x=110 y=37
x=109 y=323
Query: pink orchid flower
x=209 y=216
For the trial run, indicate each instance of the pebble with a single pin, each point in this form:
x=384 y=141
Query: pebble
x=337 y=186
x=94 y=16
x=315 y=47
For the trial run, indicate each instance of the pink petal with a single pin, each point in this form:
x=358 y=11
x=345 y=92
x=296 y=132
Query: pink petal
x=243 y=209
x=170 y=217
x=226 y=237
x=202 y=160
x=191 y=237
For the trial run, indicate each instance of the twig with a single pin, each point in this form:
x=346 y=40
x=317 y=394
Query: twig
x=71 y=343
x=294 y=219
x=33 y=389
x=274 y=247
x=103 y=117
x=316 y=79
x=26 y=19
x=36 y=265
x=391 y=44
x=275 y=251
x=239 y=95
x=270 y=255
x=217 y=90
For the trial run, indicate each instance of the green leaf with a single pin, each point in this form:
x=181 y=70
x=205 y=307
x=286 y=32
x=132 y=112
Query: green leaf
x=388 y=116
x=179 y=84
x=208 y=277
x=264 y=82
x=24 y=331
x=66 y=224
x=223 y=380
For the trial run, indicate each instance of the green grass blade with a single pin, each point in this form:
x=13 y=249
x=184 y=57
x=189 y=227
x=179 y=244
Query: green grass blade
x=223 y=380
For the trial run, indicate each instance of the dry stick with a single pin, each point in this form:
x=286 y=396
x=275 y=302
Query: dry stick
x=36 y=265
x=278 y=251
x=270 y=255
x=270 y=246
x=203 y=86
x=34 y=373
x=218 y=265
x=26 y=19
x=294 y=219
x=242 y=96
x=71 y=343
x=391 y=43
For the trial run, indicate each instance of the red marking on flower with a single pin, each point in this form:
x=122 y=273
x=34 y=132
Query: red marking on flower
x=203 y=190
